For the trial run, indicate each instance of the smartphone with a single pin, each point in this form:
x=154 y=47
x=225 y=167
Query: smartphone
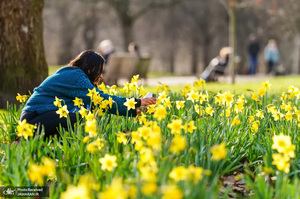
x=149 y=95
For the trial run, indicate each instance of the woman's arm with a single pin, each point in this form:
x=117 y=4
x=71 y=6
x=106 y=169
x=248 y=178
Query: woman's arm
x=80 y=90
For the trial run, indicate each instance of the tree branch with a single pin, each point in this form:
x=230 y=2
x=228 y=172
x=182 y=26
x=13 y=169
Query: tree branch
x=153 y=5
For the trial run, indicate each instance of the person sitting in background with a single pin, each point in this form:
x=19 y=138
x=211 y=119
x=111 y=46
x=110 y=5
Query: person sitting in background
x=106 y=48
x=217 y=65
x=133 y=48
x=79 y=78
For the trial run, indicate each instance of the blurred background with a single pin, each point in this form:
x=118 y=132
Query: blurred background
x=182 y=36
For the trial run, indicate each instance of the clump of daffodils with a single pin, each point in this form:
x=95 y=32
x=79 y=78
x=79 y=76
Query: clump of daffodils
x=24 y=129
x=21 y=98
x=283 y=144
x=37 y=173
x=219 y=152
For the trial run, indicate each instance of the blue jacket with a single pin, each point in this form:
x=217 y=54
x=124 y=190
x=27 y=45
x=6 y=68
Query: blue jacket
x=66 y=84
x=271 y=54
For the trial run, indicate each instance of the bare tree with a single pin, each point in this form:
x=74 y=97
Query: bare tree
x=129 y=11
x=71 y=14
x=206 y=20
x=22 y=57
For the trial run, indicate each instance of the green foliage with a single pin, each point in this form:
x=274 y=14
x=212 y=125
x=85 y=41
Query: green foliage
x=248 y=149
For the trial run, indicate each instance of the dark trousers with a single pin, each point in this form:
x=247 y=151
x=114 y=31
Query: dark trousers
x=49 y=120
x=253 y=61
x=270 y=66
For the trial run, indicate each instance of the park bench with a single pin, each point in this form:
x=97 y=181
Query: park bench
x=125 y=66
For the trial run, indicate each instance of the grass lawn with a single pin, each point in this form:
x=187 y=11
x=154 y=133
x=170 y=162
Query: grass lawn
x=279 y=84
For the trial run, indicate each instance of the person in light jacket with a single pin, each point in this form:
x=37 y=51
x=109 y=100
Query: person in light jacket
x=271 y=55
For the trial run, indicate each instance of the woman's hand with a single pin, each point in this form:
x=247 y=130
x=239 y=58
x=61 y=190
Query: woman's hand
x=148 y=101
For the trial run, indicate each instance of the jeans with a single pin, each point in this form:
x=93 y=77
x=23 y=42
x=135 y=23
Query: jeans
x=253 y=62
x=49 y=120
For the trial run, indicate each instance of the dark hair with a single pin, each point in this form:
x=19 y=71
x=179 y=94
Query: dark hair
x=91 y=63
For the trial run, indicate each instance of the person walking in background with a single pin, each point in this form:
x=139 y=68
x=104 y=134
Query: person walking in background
x=271 y=55
x=253 y=50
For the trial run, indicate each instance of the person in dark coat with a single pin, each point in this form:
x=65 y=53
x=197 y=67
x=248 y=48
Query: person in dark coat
x=253 y=50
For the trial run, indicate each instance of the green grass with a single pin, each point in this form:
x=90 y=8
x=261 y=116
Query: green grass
x=53 y=68
x=248 y=148
x=279 y=85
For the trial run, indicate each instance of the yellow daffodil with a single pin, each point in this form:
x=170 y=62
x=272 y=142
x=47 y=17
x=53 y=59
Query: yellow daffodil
x=209 y=110
x=57 y=102
x=199 y=83
x=95 y=146
x=151 y=109
x=78 y=102
x=175 y=126
x=154 y=140
x=83 y=112
x=135 y=136
x=102 y=86
x=179 y=174
x=75 y=192
x=139 y=145
x=91 y=127
x=235 y=121
x=254 y=126
x=149 y=188
x=92 y=93
x=148 y=174
x=219 y=152
x=144 y=131
x=130 y=103
x=228 y=98
x=97 y=99
x=199 y=109
x=108 y=162
x=160 y=112
x=63 y=111
x=195 y=173
x=266 y=85
x=281 y=142
x=190 y=127
x=259 y=114
x=121 y=138
x=261 y=91
x=289 y=116
x=193 y=96
x=254 y=97
x=178 y=144
x=35 y=174
x=48 y=167
x=24 y=129
x=172 y=192
x=282 y=162
x=21 y=98
x=114 y=191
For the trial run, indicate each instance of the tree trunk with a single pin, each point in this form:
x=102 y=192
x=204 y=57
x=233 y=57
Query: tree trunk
x=195 y=54
x=232 y=39
x=90 y=28
x=296 y=57
x=127 y=28
x=22 y=57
